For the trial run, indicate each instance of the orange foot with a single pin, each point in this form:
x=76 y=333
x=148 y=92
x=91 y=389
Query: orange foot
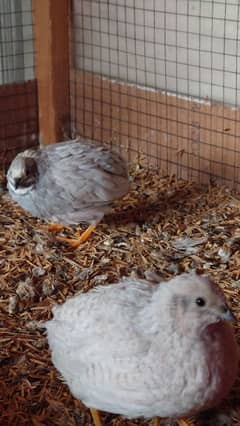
x=76 y=242
x=96 y=417
x=185 y=422
x=53 y=227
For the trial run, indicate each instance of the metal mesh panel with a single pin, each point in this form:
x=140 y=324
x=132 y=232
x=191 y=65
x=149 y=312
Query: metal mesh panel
x=18 y=93
x=161 y=79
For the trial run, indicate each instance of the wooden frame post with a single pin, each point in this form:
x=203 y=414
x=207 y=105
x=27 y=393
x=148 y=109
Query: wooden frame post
x=51 y=24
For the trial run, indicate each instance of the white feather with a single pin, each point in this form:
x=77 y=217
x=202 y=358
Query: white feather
x=134 y=348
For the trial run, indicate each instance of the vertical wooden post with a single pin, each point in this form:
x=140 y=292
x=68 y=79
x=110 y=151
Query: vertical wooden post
x=51 y=23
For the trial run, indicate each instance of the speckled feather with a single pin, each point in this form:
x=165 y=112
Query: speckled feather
x=139 y=349
x=75 y=181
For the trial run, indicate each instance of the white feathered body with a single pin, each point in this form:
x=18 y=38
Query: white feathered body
x=121 y=351
x=76 y=181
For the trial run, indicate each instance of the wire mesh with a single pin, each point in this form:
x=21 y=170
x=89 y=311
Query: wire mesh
x=18 y=93
x=161 y=79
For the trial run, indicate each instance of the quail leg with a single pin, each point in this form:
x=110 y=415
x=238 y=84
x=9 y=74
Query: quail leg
x=76 y=242
x=185 y=422
x=55 y=227
x=96 y=417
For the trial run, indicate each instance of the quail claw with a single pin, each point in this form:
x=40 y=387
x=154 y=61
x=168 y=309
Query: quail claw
x=76 y=242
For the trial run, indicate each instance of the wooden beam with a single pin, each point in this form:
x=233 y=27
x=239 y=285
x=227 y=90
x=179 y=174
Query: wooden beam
x=51 y=23
x=18 y=120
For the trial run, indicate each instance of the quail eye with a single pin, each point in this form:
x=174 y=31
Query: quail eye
x=200 y=301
